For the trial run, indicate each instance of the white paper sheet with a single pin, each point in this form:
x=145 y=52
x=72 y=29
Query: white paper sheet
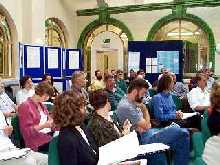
x=154 y=61
x=188 y=115
x=148 y=68
x=126 y=147
x=52 y=58
x=73 y=60
x=33 y=57
x=148 y=61
x=154 y=69
x=133 y=60
x=16 y=153
x=153 y=147
x=58 y=86
x=121 y=149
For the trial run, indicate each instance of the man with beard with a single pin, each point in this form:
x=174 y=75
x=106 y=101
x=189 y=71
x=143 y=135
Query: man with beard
x=132 y=108
x=98 y=82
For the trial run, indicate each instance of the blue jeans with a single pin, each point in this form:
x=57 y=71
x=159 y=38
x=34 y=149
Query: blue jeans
x=177 y=138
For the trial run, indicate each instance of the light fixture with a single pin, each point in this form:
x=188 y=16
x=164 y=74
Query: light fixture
x=171 y=34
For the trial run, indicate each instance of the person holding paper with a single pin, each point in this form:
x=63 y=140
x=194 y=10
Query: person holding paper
x=26 y=90
x=75 y=145
x=132 y=108
x=102 y=127
x=33 y=158
x=164 y=107
x=34 y=120
x=7 y=107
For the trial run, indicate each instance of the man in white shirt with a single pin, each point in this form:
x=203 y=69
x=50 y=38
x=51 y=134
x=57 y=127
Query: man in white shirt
x=33 y=158
x=7 y=107
x=212 y=145
x=199 y=97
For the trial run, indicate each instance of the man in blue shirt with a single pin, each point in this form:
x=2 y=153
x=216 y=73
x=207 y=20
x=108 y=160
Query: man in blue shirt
x=132 y=108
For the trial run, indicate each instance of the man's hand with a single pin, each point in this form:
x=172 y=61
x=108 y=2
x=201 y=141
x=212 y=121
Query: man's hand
x=179 y=114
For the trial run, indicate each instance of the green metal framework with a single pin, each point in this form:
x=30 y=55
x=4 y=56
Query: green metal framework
x=191 y=18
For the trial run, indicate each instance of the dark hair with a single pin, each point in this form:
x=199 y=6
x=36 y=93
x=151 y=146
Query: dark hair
x=45 y=77
x=215 y=96
x=140 y=71
x=214 y=122
x=23 y=80
x=137 y=84
x=164 y=83
x=66 y=112
x=98 y=99
x=108 y=76
x=155 y=83
x=44 y=88
x=96 y=72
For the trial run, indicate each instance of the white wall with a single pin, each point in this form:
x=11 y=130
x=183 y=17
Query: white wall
x=57 y=9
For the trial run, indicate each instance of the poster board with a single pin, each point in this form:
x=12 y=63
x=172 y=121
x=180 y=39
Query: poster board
x=33 y=61
x=53 y=61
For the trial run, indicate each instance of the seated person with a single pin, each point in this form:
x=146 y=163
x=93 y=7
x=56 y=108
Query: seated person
x=33 y=158
x=75 y=146
x=120 y=82
x=48 y=78
x=132 y=108
x=165 y=108
x=7 y=106
x=101 y=125
x=114 y=94
x=198 y=97
x=212 y=146
x=98 y=83
x=26 y=90
x=179 y=89
x=34 y=120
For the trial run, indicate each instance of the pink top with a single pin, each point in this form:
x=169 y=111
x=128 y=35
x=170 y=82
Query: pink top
x=29 y=116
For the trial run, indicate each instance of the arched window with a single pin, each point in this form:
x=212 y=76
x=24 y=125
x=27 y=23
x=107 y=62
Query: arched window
x=5 y=48
x=54 y=33
x=196 y=42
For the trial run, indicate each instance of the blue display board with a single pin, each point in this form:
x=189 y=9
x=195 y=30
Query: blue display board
x=53 y=61
x=157 y=54
x=74 y=61
x=59 y=62
x=33 y=61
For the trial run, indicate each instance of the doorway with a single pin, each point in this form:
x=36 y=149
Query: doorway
x=106 y=59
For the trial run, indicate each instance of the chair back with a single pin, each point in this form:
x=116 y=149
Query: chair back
x=53 y=157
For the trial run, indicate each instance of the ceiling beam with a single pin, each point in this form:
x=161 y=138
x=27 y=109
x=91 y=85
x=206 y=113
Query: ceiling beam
x=151 y=6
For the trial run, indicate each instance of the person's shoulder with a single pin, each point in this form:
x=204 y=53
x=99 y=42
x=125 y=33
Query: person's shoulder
x=67 y=135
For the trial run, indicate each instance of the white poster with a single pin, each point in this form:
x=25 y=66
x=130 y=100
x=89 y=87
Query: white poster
x=148 y=61
x=154 y=69
x=58 y=86
x=33 y=57
x=133 y=61
x=154 y=61
x=73 y=59
x=148 y=68
x=53 y=58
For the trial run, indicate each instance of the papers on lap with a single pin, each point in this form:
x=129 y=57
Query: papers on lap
x=188 y=115
x=15 y=153
x=124 y=148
